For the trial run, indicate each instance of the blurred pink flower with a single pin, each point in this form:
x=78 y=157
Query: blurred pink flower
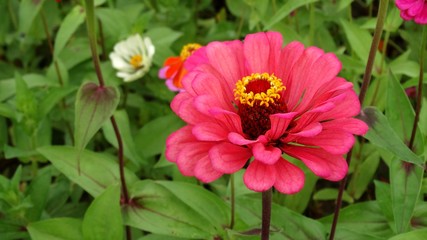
x=413 y=10
x=246 y=103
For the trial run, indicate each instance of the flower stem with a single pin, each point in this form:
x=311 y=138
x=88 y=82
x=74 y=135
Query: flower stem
x=266 y=214
x=382 y=12
x=420 y=89
x=232 y=201
x=90 y=22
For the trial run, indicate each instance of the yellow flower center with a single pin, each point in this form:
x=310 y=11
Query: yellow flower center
x=262 y=89
x=188 y=49
x=136 y=61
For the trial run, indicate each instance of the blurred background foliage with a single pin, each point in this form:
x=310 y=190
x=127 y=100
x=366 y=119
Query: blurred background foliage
x=45 y=57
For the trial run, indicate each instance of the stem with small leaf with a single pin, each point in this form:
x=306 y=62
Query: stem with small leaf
x=90 y=20
x=382 y=12
x=420 y=89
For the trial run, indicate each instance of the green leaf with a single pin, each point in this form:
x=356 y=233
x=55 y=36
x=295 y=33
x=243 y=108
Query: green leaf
x=26 y=104
x=383 y=197
x=69 y=25
x=405 y=185
x=56 y=229
x=114 y=23
x=38 y=192
x=103 y=218
x=7 y=111
x=293 y=225
x=361 y=221
x=360 y=41
x=363 y=174
x=162 y=38
x=238 y=8
x=28 y=11
x=53 y=97
x=98 y=170
x=401 y=118
x=58 y=66
x=176 y=209
x=419 y=234
x=94 y=106
x=383 y=135
x=331 y=194
x=129 y=148
x=405 y=178
x=8 y=86
x=152 y=137
x=285 y=10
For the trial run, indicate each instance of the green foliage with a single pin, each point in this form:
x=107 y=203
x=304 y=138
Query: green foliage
x=59 y=165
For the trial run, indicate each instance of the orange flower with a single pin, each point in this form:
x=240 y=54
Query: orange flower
x=173 y=68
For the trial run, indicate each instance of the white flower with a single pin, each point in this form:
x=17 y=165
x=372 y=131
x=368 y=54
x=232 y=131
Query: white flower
x=132 y=57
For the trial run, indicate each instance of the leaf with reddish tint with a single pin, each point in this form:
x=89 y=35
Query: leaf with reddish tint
x=94 y=106
x=405 y=178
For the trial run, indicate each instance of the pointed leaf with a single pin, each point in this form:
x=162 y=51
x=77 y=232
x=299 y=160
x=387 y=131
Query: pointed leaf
x=98 y=170
x=28 y=11
x=361 y=221
x=103 y=218
x=401 y=118
x=405 y=185
x=285 y=10
x=56 y=229
x=94 y=106
x=360 y=40
x=419 y=234
x=176 y=209
x=152 y=137
x=383 y=196
x=383 y=135
x=70 y=24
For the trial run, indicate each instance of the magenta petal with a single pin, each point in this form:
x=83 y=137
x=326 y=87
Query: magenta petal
x=190 y=155
x=176 y=141
x=259 y=177
x=205 y=171
x=279 y=124
x=257 y=52
x=266 y=154
x=229 y=120
x=229 y=158
x=209 y=131
x=351 y=125
x=289 y=179
x=421 y=18
x=335 y=141
x=309 y=131
x=323 y=164
x=238 y=139
x=228 y=61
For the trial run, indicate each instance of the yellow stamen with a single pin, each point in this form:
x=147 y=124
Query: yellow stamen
x=136 y=61
x=188 y=49
x=264 y=98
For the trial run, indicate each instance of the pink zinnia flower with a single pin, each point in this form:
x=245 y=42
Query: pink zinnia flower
x=413 y=10
x=247 y=103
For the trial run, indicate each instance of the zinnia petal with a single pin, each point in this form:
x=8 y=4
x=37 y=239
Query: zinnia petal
x=259 y=177
x=289 y=178
x=229 y=158
x=323 y=164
